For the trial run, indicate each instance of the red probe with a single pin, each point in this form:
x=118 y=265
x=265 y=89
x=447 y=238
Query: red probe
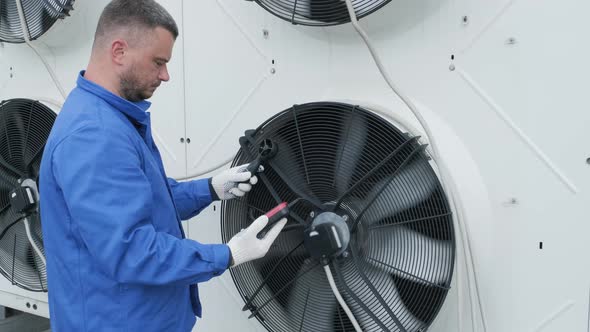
x=277 y=213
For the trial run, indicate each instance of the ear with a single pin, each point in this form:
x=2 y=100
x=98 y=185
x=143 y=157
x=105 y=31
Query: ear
x=119 y=49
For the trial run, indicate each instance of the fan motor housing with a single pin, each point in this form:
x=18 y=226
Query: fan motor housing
x=23 y=199
x=328 y=236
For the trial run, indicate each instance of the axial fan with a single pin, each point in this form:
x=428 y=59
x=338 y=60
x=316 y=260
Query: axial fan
x=39 y=15
x=364 y=199
x=319 y=12
x=24 y=127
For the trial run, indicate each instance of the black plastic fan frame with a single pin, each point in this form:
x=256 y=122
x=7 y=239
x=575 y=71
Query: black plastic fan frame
x=25 y=125
x=340 y=158
x=319 y=12
x=40 y=16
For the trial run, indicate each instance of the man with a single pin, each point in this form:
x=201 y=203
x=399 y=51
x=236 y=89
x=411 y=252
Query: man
x=117 y=258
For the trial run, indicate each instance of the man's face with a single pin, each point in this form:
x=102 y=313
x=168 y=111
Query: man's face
x=146 y=67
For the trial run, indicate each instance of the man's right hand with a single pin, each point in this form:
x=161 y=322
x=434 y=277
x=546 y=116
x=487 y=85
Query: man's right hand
x=246 y=246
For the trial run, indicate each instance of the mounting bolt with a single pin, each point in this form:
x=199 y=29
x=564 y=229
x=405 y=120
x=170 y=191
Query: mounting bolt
x=265 y=33
x=511 y=202
x=182 y=140
x=452 y=67
x=272 y=70
x=345 y=254
x=19 y=181
x=465 y=20
x=312 y=214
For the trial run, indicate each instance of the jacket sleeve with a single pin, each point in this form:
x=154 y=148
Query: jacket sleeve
x=110 y=201
x=190 y=197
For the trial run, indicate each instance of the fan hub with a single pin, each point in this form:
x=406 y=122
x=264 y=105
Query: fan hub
x=328 y=236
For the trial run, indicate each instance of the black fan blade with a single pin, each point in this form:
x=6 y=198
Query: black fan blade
x=408 y=188
x=6 y=20
x=311 y=12
x=57 y=9
x=411 y=255
x=353 y=143
x=39 y=280
x=381 y=283
x=293 y=171
x=312 y=305
x=18 y=260
x=9 y=168
x=282 y=262
x=4 y=207
x=6 y=185
x=35 y=158
x=46 y=19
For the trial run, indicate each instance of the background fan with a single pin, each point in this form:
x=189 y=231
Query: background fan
x=40 y=15
x=319 y=12
x=24 y=127
x=343 y=159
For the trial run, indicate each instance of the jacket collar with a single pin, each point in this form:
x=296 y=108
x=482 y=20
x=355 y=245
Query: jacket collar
x=136 y=111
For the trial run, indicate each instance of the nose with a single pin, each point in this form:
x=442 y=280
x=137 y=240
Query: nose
x=163 y=75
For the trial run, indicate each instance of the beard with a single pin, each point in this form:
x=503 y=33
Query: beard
x=133 y=89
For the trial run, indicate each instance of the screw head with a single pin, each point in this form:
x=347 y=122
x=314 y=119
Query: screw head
x=465 y=20
x=588 y=161
x=452 y=67
x=265 y=33
x=272 y=70
x=345 y=217
x=345 y=254
x=511 y=41
x=312 y=214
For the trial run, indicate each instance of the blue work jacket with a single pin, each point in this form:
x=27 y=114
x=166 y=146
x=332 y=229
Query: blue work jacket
x=117 y=257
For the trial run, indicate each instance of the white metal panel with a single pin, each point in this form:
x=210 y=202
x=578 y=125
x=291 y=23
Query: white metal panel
x=236 y=76
x=167 y=111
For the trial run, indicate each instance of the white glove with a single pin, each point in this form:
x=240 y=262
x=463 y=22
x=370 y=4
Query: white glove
x=245 y=246
x=234 y=182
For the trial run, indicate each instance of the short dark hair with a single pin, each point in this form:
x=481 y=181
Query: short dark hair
x=134 y=14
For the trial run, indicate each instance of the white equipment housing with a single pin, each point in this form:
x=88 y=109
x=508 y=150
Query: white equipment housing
x=502 y=84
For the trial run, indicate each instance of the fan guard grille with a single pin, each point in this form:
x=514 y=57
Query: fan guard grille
x=356 y=164
x=40 y=15
x=319 y=12
x=24 y=127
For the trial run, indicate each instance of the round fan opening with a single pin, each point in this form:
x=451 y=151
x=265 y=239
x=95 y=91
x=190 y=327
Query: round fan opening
x=24 y=128
x=40 y=15
x=342 y=164
x=319 y=12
